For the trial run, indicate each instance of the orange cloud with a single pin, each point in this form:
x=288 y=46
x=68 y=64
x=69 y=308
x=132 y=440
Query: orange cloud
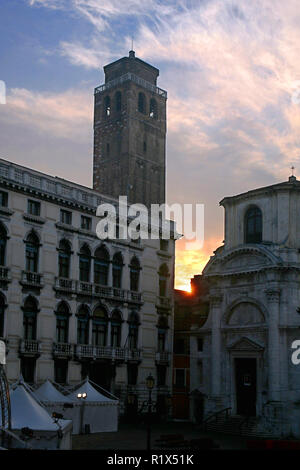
x=191 y=262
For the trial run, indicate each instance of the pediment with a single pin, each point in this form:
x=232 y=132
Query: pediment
x=245 y=344
x=244 y=261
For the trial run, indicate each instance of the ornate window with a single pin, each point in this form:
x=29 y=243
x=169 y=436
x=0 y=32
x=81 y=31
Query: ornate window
x=3 y=239
x=64 y=258
x=153 y=109
x=133 y=331
x=100 y=322
x=32 y=252
x=142 y=103
x=253 y=225
x=117 y=270
x=163 y=280
x=84 y=264
x=30 y=311
x=83 y=325
x=116 y=325
x=134 y=274
x=101 y=266
x=118 y=101
x=62 y=322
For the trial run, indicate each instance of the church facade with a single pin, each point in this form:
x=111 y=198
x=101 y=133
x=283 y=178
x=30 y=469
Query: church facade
x=72 y=305
x=254 y=312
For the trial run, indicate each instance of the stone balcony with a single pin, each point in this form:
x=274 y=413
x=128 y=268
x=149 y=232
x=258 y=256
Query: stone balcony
x=87 y=351
x=30 y=348
x=31 y=279
x=96 y=290
x=162 y=357
x=62 y=350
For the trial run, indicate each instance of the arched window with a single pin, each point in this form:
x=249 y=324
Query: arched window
x=100 y=321
x=117 y=270
x=253 y=225
x=84 y=264
x=2 y=310
x=153 y=109
x=83 y=325
x=142 y=103
x=107 y=108
x=30 y=311
x=62 y=322
x=32 y=252
x=163 y=280
x=101 y=266
x=118 y=101
x=162 y=333
x=116 y=322
x=134 y=274
x=64 y=258
x=3 y=238
x=133 y=330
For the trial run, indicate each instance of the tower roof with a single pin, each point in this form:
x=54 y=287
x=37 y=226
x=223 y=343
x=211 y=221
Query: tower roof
x=131 y=64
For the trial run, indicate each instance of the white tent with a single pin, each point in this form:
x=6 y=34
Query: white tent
x=47 y=392
x=26 y=412
x=97 y=410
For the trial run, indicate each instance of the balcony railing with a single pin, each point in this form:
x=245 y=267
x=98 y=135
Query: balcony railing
x=96 y=290
x=87 y=351
x=4 y=274
x=134 y=78
x=31 y=279
x=64 y=284
x=62 y=349
x=163 y=356
x=30 y=347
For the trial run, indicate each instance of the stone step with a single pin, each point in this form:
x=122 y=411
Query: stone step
x=235 y=425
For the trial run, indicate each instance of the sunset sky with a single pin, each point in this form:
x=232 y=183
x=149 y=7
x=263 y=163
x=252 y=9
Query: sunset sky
x=231 y=69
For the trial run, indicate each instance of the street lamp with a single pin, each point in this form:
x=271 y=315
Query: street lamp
x=82 y=397
x=149 y=385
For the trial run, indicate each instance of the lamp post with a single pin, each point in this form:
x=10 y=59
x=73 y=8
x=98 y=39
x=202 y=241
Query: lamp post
x=82 y=397
x=150 y=385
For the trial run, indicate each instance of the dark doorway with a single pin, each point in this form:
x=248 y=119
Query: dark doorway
x=101 y=374
x=245 y=382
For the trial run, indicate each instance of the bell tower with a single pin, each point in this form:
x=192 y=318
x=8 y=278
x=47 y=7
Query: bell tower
x=130 y=133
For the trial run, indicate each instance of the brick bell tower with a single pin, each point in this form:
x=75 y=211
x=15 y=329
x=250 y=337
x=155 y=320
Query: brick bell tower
x=130 y=133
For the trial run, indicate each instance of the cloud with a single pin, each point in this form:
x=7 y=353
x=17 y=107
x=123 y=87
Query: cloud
x=230 y=69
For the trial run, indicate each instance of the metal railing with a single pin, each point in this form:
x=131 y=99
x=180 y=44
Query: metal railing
x=216 y=414
x=162 y=356
x=134 y=78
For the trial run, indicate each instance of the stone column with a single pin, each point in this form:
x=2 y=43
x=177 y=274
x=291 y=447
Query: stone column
x=110 y=275
x=215 y=308
x=273 y=296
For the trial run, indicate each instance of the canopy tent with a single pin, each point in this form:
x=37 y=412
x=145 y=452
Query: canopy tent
x=92 y=394
x=98 y=411
x=26 y=412
x=47 y=392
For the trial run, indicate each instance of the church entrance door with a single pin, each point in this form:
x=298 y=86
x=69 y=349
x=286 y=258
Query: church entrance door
x=245 y=382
